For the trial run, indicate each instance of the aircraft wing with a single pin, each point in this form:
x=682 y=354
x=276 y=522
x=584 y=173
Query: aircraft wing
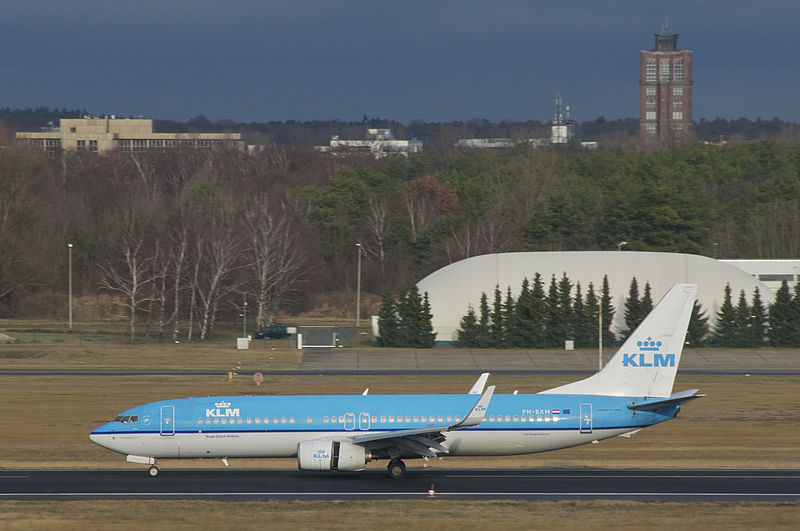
x=674 y=399
x=425 y=441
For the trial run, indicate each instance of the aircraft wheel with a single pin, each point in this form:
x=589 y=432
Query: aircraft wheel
x=153 y=471
x=396 y=469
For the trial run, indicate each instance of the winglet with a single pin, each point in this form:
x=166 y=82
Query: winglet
x=475 y=416
x=480 y=383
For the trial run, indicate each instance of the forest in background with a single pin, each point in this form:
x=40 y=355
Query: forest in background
x=177 y=237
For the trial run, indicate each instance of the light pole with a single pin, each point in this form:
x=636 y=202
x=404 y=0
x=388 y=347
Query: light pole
x=620 y=244
x=69 y=283
x=244 y=314
x=358 y=288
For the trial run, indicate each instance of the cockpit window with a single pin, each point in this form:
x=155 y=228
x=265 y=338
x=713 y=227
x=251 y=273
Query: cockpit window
x=127 y=419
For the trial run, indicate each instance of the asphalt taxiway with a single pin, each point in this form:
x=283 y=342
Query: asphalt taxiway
x=515 y=484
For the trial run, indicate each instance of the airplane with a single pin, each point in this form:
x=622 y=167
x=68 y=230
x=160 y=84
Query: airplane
x=345 y=432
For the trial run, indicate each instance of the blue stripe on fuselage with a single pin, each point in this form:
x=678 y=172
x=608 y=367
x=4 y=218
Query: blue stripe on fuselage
x=359 y=413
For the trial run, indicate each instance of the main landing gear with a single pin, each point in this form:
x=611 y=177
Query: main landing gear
x=153 y=471
x=396 y=469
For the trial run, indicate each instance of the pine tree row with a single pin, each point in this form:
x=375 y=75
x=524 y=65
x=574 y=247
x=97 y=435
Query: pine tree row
x=546 y=320
x=406 y=322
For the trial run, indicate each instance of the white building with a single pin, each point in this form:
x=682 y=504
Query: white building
x=456 y=286
x=379 y=143
x=770 y=272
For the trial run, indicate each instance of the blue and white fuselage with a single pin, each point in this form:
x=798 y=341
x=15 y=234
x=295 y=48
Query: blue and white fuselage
x=344 y=432
x=272 y=426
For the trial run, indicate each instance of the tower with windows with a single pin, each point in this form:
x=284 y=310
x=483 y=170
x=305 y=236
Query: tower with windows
x=665 y=99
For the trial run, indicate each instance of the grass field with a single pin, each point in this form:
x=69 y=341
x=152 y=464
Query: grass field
x=744 y=422
x=425 y=514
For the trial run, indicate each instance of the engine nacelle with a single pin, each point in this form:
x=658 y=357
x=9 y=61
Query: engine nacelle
x=331 y=455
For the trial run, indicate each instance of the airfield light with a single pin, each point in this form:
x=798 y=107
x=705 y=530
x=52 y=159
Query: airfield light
x=620 y=245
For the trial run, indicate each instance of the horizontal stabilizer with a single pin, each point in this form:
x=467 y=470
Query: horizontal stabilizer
x=673 y=400
x=480 y=383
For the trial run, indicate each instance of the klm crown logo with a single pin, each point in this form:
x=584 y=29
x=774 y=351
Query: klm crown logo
x=648 y=355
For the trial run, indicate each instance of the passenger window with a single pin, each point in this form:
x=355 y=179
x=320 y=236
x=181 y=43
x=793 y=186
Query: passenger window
x=449 y=418
x=249 y=420
x=199 y=421
x=208 y=421
x=374 y=419
x=274 y=420
x=408 y=418
x=266 y=420
x=424 y=418
x=491 y=418
x=508 y=418
x=416 y=418
x=309 y=420
x=391 y=419
x=291 y=420
x=324 y=420
x=523 y=418
x=441 y=418
x=283 y=420
x=341 y=420
x=239 y=421
x=216 y=421
x=224 y=421
x=516 y=419
x=383 y=418
x=258 y=420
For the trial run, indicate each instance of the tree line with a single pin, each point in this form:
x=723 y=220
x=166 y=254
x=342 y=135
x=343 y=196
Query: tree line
x=198 y=228
x=546 y=319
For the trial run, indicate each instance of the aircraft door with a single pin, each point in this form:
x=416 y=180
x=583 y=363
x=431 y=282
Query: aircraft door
x=586 y=418
x=167 y=420
x=363 y=421
x=349 y=421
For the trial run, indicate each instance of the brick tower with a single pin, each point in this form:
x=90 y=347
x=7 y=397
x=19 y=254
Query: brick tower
x=665 y=97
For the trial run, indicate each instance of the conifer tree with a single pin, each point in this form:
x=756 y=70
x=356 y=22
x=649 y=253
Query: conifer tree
x=608 y=313
x=697 y=332
x=564 y=309
x=426 y=337
x=508 y=318
x=468 y=329
x=551 y=324
x=590 y=311
x=646 y=303
x=723 y=335
x=578 y=321
x=742 y=334
x=794 y=317
x=388 y=323
x=482 y=338
x=496 y=325
x=781 y=322
x=538 y=313
x=758 y=320
x=632 y=309
x=520 y=330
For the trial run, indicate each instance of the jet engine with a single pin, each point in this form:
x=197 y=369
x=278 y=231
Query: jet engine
x=331 y=455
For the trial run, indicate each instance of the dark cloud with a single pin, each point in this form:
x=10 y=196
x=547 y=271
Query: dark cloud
x=278 y=60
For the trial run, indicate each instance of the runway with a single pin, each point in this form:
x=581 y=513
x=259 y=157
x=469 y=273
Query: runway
x=499 y=484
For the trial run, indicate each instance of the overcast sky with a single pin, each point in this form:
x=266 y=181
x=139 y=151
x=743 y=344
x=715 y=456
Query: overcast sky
x=264 y=60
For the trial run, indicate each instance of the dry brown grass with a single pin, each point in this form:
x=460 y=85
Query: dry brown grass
x=423 y=514
x=743 y=422
x=734 y=427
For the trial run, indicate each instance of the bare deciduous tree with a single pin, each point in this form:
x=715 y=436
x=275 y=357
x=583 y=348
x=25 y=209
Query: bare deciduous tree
x=277 y=260
x=129 y=276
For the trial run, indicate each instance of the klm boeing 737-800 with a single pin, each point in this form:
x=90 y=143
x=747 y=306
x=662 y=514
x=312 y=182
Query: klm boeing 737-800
x=633 y=391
